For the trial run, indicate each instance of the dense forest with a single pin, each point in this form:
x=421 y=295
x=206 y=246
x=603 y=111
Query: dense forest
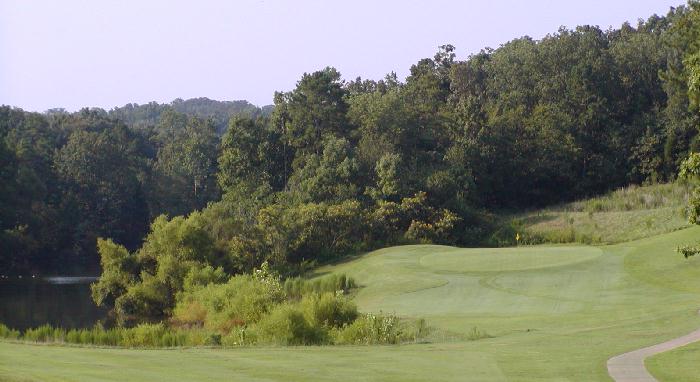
x=68 y=178
x=160 y=193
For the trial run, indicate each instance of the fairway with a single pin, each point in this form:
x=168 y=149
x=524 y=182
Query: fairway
x=554 y=313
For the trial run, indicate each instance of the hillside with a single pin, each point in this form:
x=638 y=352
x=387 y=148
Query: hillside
x=540 y=313
x=145 y=115
x=628 y=213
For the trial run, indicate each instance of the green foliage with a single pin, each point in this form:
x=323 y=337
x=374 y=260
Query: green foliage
x=68 y=178
x=185 y=166
x=245 y=310
x=45 y=333
x=534 y=122
x=329 y=176
x=477 y=334
x=252 y=157
x=8 y=333
x=329 y=310
x=316 y=108
x=625 y=214
x=694 y=207
x=150 y=115
x=690 y=169
x=143 y=286
x=118 y=272
x=296 y=287
x=242 y=301
x=688 y=251
x=100 y=172
x=287 y=325
x=415 y=219
x=388 y=178
x=371 y=329
x=143 y=335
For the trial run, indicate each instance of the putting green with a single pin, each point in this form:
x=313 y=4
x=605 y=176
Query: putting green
x=506 y=259
x=555 y=313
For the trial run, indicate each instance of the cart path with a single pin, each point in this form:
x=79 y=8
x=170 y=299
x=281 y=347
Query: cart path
x=629 y=367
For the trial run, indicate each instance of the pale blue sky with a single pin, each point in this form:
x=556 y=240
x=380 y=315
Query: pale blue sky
x=74 y=53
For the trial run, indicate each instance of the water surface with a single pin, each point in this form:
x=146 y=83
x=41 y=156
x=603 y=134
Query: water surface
x=60 y=301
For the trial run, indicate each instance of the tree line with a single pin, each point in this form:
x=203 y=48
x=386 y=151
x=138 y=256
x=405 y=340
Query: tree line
x=336 y=166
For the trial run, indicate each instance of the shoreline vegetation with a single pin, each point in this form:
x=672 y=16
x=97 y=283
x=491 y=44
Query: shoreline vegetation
x=369 y=329
x=249 y=310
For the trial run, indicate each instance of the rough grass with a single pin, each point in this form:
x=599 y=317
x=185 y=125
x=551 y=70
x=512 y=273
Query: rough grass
x=679 y=365
x=626 y=214
x=542 y=318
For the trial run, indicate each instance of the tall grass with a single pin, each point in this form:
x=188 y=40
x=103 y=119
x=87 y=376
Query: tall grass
x=375 y=329
x=8 y=333
x=142 y=336
x=297 y=287
x=633 y=198
x=628 y=213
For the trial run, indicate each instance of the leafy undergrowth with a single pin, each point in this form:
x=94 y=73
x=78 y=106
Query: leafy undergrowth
x=626 y=214
x=250 y=310
x=285 y=326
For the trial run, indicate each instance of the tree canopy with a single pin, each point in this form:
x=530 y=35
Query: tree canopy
x=338 y=166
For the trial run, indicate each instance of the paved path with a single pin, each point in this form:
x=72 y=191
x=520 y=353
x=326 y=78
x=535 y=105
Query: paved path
x=629 y=367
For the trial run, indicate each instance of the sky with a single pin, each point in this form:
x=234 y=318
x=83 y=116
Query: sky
x=74 y=54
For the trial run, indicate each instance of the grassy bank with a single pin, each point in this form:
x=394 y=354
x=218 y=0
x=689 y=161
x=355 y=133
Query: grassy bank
x=626 y=214
x=547 y=313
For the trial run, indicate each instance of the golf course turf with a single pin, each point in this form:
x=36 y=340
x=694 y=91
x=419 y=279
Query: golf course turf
x=546 y=312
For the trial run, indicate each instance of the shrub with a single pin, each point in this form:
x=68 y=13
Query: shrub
x=370 y=329
x=421 y=330
x=239 y=336
x=296 y=287
x=476 y=334
x=287 y=325
x=329 y=310
x=73 y=336
x=688 y=250
x=45 y=333
x=8 y=333
x=144 y=335
x=243 y=300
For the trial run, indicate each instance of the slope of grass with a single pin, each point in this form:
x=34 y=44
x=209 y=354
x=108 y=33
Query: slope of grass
x=546 y=313
x=680 y=365
x=629 y=213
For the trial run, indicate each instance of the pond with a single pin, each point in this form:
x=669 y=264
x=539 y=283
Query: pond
x=59 y=301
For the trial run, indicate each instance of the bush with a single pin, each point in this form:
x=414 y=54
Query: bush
x=45 y=333
x=476 y=334
x=8 y=333
x=243 y=300
x=144 y=335
x=287 y=325
x=296 y=287
x=329 y=310
x=239 y=336
x=370 y=329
